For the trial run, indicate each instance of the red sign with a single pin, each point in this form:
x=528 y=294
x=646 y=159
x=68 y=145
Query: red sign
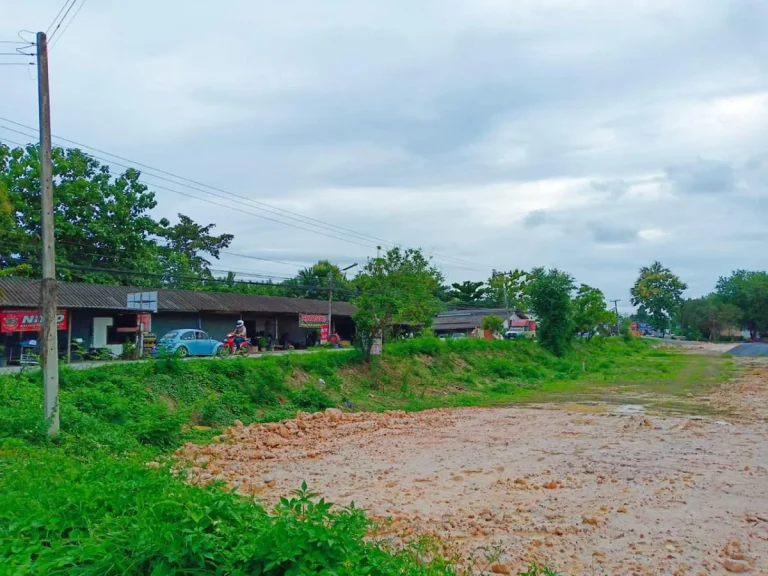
x=323 y=333
x=144 y=322
x=28 y=320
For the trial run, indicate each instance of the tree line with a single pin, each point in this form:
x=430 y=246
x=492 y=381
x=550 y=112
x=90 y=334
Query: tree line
x=739 y=301
x=106 y=234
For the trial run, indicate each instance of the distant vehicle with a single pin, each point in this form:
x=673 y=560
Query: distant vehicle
x=521 y=329
x=187 y=342
x=458 y=335
x=230 y=347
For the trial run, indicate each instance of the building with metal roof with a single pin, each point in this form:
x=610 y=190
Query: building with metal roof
x=99 y=314
x=465 y=321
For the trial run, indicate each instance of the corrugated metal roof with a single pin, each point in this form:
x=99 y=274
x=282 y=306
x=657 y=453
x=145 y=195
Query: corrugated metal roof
x=21 y=293
x=467 y=319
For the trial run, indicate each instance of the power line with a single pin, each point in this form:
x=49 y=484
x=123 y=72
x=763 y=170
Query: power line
x=48 y=30
x=71 y=5
x=68 y=23
x=22 y=246
x=224 y=197
x=177 y=277
x=234 y=208
x=269 y=208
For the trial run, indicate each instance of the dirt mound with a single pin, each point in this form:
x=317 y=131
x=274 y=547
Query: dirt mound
x=616 y=494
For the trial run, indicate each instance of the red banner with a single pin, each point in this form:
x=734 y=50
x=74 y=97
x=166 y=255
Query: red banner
x=28 y=320
x=323 y=333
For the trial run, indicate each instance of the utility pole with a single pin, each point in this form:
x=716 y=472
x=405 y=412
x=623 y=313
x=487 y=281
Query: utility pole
x=618 y=318
x=506 y=302
x=330 y=296
x=50 y=345
x=330 y=303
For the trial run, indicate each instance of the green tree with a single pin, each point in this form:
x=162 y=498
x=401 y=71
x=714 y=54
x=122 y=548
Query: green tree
x=313 y=282
x=493 y=323
x=589 y=310
x=708 y=317
x=515 y=282
x=467 y=292
x=658 y=292
x=395 y=289
x=747 y=290
x=550 y=299
x=187 y=245
x=101 y=221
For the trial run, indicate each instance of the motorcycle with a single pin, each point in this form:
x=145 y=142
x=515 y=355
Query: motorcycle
x=229 y=346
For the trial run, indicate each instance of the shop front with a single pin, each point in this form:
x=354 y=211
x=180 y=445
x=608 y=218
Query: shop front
x=20 y=331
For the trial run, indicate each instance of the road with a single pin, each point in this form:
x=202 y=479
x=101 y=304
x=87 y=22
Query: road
x=96 y=364
x=747 y=349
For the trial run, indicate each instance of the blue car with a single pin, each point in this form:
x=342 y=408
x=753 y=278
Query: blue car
x=188 y=342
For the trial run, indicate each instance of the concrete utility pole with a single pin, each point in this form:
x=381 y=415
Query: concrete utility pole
x=330 y=304
x=49 y=346
x=506 y=302
x=618 y=318
x=330 y=297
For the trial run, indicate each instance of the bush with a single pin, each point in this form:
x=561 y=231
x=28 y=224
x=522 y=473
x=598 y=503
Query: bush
x=106 y=516
x=310 y=399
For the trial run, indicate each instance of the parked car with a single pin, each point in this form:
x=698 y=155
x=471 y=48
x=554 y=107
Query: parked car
x=187 y=342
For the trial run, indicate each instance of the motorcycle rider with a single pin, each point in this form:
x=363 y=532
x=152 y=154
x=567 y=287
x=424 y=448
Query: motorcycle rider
x=240 y=334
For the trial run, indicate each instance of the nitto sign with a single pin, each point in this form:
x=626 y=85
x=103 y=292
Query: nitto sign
x=28 y=320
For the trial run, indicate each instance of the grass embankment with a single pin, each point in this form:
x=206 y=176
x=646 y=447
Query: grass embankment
x=88 y=504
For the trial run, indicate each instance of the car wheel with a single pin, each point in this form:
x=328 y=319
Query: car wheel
x=182 y=352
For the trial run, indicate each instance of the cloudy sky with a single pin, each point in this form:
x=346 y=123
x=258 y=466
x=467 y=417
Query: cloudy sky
x=591 y=135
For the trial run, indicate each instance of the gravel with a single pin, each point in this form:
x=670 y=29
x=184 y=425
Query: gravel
x=579 y=491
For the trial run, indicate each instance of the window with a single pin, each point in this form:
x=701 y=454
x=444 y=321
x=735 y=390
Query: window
x=187 y=336
x=201 y=335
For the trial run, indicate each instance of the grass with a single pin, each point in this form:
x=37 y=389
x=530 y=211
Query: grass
x=87 y=503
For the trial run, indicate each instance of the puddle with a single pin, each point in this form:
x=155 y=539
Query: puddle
x=629 y=409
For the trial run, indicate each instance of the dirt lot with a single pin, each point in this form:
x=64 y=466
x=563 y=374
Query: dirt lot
x=587 y=493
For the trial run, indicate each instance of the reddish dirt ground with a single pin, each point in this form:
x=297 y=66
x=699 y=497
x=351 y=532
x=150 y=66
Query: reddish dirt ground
x=585 y=493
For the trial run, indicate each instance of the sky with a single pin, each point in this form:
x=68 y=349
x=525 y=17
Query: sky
x=589 y=135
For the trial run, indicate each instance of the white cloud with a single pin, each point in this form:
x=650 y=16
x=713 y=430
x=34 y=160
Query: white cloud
x=592 y=135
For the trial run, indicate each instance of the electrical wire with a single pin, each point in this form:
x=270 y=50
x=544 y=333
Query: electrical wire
x=68 y=23
x=176 y=277
x=53 y=34
x=267 y=207
x=214 y=203
x=85 y=250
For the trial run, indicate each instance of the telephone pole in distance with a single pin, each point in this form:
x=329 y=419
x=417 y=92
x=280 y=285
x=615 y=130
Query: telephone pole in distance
x=618 y=318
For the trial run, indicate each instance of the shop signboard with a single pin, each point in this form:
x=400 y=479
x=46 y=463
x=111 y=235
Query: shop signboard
x=323 y=333
x=28 y=320
x=312 y=320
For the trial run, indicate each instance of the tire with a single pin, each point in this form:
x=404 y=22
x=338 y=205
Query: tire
x=245 y=349
x=182 y=352
x=222 y=351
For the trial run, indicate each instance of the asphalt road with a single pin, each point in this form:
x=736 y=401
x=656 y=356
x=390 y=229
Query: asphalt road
x=87 y=365
x=750 y=349
x=746 y=349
